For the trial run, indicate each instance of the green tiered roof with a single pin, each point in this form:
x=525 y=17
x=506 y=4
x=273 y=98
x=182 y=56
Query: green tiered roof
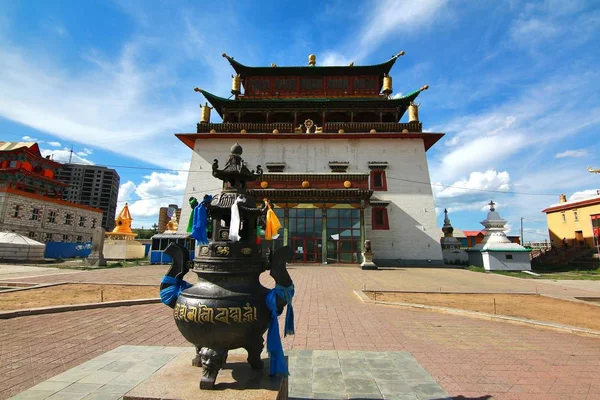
x=401 y=103
x=378 y=69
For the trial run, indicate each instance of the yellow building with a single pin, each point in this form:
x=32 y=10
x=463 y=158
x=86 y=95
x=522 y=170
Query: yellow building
x=576 y=221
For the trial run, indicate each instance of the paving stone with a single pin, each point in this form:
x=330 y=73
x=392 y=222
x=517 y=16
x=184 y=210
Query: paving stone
x=103 y=396
x=67 y=396
x=72 y=375
x=52 y=386
x=119 y=366
x=429 y=391
x=364 y=396
x=394 y=387
x=78 y=387
x=101 y=377
x=380 y=363
x=115 y=389
x=33 y=395
x=401 y=397
x=326 y=362
x=327 y=395
x=351 y=355
x=356 y=385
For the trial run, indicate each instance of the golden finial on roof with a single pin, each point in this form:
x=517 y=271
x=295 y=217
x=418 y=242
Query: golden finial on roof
x=312 y=60
x=273 y=65
x=425 y=87
x=123 y=222
x=226 y=56
x=595 y=171
x=400 y=54
x=387 y=85
x=351 y=64
x=197 y=89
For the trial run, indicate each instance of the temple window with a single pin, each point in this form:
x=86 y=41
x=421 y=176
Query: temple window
x=81 y=221
x=380 y=219
x=35 y=214
x=575 y=216
x=79 y=239
x=65 y=238
x=17 y=211
x=52 y=217
x=12 y=164
x=563 y=217
x=68 y=219
x=94 y=220
x=378 y=180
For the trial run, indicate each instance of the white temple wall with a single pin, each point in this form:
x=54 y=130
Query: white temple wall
x=413 y=235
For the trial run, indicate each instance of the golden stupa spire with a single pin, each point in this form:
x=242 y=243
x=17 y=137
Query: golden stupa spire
x=123 y=222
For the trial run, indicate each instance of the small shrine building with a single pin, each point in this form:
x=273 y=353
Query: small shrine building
x=340 y=166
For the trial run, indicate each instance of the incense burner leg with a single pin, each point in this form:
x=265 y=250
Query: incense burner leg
x=197 y=361
x=212 y=360
x=254 y=348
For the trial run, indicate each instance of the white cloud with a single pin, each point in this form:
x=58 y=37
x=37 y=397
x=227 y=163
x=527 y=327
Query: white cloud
x=392 y=16
x=333 y=58
x=64 y=156
x=156 y=190
x=118 y=101
x=126 y=190
x=29 y=139
x=584 y=194
x=55 y=144
x=572 y=153
x=383 y=19
x=477 y=182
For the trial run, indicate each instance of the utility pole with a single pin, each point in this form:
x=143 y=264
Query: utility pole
x=522 y=231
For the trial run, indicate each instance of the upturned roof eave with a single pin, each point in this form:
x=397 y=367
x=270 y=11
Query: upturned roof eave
x=325 y=70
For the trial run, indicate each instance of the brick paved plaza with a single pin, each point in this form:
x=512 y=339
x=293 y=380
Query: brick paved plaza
x=468 y=357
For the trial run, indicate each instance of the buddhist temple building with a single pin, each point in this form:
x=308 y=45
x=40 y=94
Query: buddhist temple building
x=31 y=198
x=339 y=164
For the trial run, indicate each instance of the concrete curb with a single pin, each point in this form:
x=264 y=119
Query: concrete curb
x=475 y=314
x=75 y=307
x=45 y=285
x=40 y=286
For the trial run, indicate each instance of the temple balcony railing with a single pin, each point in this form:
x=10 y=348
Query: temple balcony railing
x=330 y=127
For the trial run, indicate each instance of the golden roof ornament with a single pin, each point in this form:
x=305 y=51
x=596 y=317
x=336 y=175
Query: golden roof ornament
x=594 y=171
x=205 y=114
x=387 y=85
x=236 y=84
x=312 y=60
x=413 y=112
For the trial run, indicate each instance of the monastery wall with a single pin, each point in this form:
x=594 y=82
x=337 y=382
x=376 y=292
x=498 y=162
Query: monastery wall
x=413 y=237
x=45 y=228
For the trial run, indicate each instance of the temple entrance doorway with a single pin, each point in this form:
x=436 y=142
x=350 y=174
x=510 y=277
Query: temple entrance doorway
x=305 y=230
x=343 y=235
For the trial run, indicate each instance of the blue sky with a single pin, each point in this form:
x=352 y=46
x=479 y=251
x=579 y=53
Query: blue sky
x=514 y=86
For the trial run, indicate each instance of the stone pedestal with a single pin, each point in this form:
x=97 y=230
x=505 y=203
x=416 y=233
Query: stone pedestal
x=96 y=257
x=368 y=261
x=123 y=249
x=236 y=381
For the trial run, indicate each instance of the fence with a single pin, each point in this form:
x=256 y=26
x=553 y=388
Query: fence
x=67 y=250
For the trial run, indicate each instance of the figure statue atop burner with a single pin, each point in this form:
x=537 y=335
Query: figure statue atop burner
x=228 y=308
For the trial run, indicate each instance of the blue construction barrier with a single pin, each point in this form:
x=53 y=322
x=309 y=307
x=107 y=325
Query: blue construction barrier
x=67 y=250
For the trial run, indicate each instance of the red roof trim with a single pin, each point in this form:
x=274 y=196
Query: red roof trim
x=569 y=206
x=429 y=139
x=34 y=151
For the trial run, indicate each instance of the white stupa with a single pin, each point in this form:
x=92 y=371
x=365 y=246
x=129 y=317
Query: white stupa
x=496 y=252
